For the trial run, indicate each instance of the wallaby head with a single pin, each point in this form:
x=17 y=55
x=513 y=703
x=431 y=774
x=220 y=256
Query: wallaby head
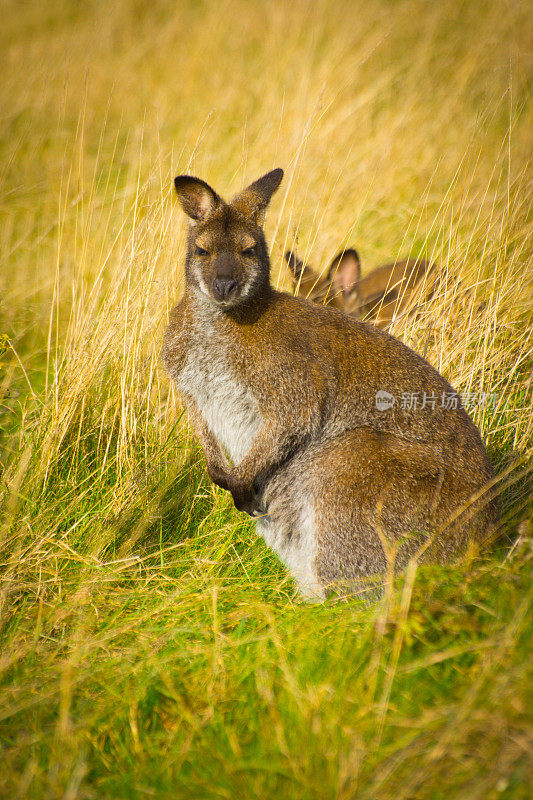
x=377 y=296
x=336 y=288
x=227 y=258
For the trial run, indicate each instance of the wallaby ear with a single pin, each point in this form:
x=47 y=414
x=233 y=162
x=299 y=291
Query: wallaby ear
x=197 y=198
x=253 y=201
x=345 y=270
x=295 y=264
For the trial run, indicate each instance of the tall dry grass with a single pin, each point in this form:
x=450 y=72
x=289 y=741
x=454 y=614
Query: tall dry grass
x=404 y=128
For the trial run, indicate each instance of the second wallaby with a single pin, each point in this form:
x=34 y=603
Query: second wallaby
x=380 y=295
x=306 y=415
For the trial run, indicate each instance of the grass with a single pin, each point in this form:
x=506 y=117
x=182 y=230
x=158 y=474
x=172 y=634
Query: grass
x=151 y=644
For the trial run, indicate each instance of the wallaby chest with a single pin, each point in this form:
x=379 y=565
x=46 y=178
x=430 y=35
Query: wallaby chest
x=227 y=405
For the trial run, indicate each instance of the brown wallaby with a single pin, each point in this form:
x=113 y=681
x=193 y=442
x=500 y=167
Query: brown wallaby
x=351 y=449
x=384 y=292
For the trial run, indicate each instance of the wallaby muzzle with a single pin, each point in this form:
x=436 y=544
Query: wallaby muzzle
x=224 y=289
x=225 y=286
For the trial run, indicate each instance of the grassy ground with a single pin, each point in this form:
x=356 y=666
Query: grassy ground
x=151 y=644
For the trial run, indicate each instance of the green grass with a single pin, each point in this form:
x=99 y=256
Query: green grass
x=151 y=645
x=190 y=670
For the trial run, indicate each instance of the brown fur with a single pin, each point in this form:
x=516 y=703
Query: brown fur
x=384 y=293
x=287 y=389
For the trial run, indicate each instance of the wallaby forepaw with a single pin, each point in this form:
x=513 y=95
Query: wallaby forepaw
x=245 y=500
x=244 y=497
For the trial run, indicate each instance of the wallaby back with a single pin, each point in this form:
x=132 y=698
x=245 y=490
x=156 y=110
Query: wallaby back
x=304 y=413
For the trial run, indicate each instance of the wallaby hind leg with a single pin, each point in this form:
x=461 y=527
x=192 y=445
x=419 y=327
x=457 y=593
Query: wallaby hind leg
x=340 y=513
x=379 y=500
x=289 y=529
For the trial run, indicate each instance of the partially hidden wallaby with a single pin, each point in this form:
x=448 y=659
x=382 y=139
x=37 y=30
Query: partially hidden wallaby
x=379 y=296
x=352 y=451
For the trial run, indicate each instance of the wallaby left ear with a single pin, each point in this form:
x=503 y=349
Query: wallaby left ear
x=197 y=198
x=294 y=263
x=253 y=201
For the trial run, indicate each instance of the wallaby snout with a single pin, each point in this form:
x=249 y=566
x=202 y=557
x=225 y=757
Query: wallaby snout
x=224 y=288
x=228 y=277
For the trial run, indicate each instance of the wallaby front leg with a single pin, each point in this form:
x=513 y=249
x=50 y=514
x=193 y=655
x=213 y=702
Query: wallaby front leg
x=218 y=467
x=271 y=446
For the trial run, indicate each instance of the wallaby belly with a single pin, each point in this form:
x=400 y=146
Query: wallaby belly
x=229 y=408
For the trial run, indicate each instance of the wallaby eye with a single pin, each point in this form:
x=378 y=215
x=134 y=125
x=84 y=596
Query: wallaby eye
x=248 y=252
x=199 y=251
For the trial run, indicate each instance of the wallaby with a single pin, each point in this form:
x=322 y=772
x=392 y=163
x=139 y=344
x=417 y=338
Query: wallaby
x=310 y=418
x=378 y=297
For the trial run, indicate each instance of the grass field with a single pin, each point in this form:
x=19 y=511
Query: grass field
x=151 y=645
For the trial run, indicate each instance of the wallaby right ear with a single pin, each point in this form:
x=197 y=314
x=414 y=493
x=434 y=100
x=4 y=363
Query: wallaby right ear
x=197 y=198
x=253 y=201
x=345 y=270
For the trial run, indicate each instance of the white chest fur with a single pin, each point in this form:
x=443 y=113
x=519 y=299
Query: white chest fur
x=228 y=407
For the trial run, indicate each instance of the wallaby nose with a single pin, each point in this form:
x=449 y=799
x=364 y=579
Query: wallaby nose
x=223 y=287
